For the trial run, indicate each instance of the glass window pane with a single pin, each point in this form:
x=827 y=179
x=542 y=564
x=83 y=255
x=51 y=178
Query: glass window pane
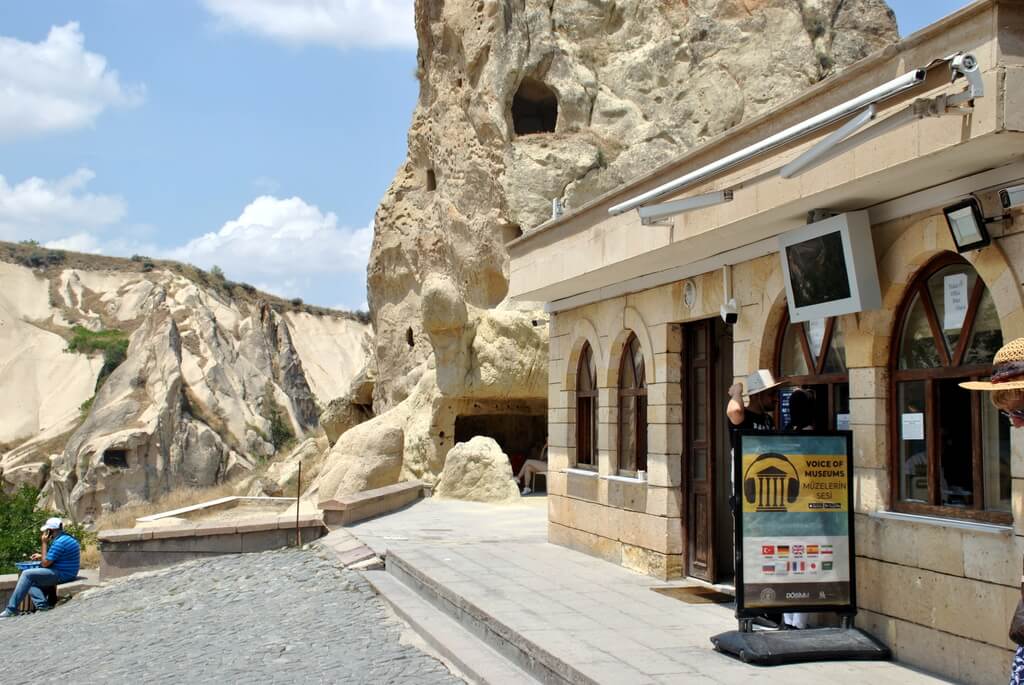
x=585 y=381
x=699 y=463
x=593 y=432
x=913 y=449
x=627 y=433
x=995 y=446
x=641 y=437
x=951 y=289
x=841 y=398
x=628 y=375
x=793 y=362
x=986 y=336
x=917 y=346
x=835 y=362
x=815 y=337
x=956 y=468
x=638 y=363
x=584 y=447
x=700 y=404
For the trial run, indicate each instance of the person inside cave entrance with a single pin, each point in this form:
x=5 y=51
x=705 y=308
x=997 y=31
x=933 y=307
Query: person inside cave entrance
x=531 y=467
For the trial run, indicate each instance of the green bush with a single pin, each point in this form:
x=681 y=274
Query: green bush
x=112 y=343
x=280 y=428
x=20 y=521
x=217 y=272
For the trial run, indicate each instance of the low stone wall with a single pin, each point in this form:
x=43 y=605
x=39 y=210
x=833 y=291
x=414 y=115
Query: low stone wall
x=131 y=550
x=344 y=511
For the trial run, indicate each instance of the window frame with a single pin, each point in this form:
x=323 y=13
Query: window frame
x=816 y=368
x=950 y=369
x=586 y=362
x=640 y=409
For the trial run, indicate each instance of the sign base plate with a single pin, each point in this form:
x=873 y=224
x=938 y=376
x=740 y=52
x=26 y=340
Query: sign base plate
x=776 y=647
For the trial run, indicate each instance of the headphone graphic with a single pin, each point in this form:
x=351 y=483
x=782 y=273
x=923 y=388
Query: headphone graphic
x=792 y=483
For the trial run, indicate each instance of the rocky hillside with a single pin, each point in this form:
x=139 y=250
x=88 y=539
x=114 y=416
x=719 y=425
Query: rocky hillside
x=128 y=378
x=526 y=101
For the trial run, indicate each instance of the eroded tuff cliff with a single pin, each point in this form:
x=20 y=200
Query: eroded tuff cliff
x=525 y=101
x=522 y=102
x=214 y=378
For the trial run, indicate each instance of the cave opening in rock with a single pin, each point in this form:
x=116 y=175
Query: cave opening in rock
x=534 y=108
x=431 y=181
x=408 y=337
x=116 y=458
x=520 y=436
x=511 y=231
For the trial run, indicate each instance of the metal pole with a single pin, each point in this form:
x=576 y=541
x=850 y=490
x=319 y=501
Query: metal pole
x=298 y=493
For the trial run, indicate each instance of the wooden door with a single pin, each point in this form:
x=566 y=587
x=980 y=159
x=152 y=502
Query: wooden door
x=699 y=447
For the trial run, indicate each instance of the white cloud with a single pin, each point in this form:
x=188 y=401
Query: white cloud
x=341 y=23
x=285 y=246
x=45 y=210
x=55 y=85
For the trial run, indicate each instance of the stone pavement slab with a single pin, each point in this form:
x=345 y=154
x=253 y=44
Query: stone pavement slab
x=581 y=618
x=287 y=616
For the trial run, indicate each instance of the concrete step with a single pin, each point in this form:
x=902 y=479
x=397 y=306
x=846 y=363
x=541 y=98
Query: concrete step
x=474 y=659
x=516 y=648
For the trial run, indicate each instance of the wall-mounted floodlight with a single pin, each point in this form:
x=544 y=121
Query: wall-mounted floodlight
x=967 y=225
x=654 y=213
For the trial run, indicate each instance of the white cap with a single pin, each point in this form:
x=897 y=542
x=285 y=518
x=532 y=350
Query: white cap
x=54 y=523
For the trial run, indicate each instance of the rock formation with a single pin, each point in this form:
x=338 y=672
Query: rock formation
x=477 y=471
x=526 y=101
x=215 y=377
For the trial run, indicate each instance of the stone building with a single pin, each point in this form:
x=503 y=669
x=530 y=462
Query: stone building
x=640 y=359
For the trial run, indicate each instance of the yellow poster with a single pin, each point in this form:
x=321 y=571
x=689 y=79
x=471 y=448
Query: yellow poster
x=794 y=483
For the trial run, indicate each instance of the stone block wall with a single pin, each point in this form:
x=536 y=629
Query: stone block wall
x=938 y=592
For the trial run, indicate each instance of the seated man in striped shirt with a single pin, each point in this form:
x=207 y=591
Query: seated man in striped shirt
x=62 y=553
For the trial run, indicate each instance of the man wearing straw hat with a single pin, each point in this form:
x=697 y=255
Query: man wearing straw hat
x=1007 y=388
x=762 y=389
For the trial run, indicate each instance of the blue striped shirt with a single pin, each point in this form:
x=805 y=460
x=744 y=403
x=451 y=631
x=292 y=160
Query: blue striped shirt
x=64 y=556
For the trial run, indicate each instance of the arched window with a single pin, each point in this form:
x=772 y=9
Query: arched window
x=950 y=447
x=632 y=409
x=812 y=355
x=586 y=409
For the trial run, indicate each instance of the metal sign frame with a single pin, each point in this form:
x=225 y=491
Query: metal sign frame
x=744 y=612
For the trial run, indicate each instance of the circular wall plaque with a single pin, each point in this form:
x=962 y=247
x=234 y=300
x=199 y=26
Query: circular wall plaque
x=689 y=294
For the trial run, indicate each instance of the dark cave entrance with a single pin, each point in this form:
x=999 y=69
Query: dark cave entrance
x=534 y=108
x=520 y=436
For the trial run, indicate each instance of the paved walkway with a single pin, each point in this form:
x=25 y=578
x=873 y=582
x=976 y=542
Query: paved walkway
x=602 y=620
x=289 y=616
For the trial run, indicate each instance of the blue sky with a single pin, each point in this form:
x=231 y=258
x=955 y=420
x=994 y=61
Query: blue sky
x=258 y=135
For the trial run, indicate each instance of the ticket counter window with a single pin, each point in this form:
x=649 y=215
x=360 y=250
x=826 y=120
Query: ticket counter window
x=812 y=355
x=951 y=446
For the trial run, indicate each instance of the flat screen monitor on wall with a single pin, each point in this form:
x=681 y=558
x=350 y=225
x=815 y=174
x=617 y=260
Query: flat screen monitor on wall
x=830 y=268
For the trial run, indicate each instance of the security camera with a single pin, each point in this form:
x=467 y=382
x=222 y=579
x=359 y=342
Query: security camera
x=730 y=312
x=1012 y=196
x=965 y=64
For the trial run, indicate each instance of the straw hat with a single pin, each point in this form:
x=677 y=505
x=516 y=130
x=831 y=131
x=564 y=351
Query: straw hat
x=761 y=380
x=1008 y=371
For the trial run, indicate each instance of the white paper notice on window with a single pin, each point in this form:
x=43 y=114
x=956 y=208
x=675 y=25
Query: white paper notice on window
x=913 y=427
x=815 y=335
x=954 y=289
x=842 y=422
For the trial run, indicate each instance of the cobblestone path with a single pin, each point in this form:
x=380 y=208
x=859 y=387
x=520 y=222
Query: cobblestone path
x=276 y=617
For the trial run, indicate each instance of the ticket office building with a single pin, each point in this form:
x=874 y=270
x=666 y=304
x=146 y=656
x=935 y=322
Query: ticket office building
x=641 y=360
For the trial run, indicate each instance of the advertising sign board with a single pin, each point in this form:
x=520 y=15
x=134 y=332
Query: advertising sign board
x=794 y=523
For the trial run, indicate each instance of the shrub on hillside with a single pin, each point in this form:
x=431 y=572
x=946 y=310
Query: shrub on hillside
x=112 y=343
x=20 y=521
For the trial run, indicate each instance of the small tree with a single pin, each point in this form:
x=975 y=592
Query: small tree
x=217 y=272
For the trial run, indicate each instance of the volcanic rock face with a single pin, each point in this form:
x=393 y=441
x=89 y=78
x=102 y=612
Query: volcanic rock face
x=477 y=471
x=210 y=381
x=525 y=101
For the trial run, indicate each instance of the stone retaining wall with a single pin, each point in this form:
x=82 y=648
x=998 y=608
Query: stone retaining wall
x=131 y=550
